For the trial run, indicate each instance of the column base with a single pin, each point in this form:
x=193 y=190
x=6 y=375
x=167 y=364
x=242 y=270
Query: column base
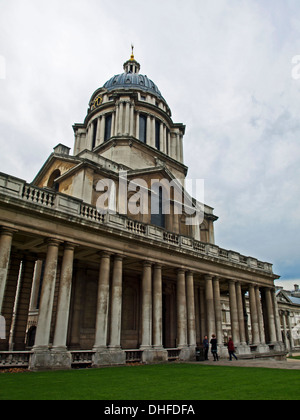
x=46 y=359
x=109 y=357
x=187 y=354
x=40 y=359
x=242 y=349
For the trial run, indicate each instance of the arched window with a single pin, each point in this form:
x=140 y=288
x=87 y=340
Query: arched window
x=51 y=181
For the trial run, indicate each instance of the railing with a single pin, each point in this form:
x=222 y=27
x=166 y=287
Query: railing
x=173 y=354
x=71 y=207
x=134 y=356
x=38 y=196
x=82 y=358
x=14 y=359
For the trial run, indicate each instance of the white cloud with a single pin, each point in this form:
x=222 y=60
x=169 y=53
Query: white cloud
x=225 y=68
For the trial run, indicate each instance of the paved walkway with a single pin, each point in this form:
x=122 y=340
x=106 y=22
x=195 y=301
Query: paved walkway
x=260 y=363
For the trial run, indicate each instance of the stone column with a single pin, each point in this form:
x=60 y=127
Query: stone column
x=127 y=118
x=241 y=317
x=147 y=306
x=260 y=316
x=46 y=302
x=149 y=130
x=102 y=303
x=191 y=310
x=254 y=318
x=181 y=310
x=234 y=313
x=64 y=298
x=6 y=236
x=271 y=318
x=137 y=125
x=291 y=340
x=131 y=130
x=277 y=318
x=210 y=310
x=157 y=307
x=203 y=327
x=116 y=304
x=218 y=309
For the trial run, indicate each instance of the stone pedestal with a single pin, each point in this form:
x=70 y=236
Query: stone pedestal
x=40 y=360
x=188 y=354
x=45 y=359
x=155 y=356
x=109 y=358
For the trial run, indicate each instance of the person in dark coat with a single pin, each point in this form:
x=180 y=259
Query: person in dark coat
x=214 y=347
x=231 y=349
x=205 y=347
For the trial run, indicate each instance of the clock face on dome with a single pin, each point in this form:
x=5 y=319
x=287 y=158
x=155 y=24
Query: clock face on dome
x=96 y=102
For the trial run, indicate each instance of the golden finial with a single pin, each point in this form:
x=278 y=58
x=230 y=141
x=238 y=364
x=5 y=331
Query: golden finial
x=132 y=55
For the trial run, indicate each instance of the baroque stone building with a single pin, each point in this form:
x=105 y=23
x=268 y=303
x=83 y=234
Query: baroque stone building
x=100 y=261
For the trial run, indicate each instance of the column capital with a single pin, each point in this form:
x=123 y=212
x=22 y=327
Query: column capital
x=104 y=254
x=208 y=277
x=181 y=271
x=147 y=263
x=70 y=246
x=7 y=231
x=53 y=242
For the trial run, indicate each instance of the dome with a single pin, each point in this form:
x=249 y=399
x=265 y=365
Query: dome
x=133 y=81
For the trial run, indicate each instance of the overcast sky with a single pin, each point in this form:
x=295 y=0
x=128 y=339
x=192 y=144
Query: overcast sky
x=226 y=69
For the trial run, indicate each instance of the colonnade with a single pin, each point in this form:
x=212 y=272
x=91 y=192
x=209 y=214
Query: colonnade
x=125 y=121
x=265 y=322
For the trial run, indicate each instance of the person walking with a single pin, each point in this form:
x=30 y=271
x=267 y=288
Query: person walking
x=231 y=349
x=214 y=347
x=205 y=347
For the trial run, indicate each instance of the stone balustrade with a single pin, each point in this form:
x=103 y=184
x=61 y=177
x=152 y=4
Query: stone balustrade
x=21 y=192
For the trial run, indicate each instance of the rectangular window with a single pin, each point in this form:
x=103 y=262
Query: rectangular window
x=95 y=126
x=143 y=128
x=157 y=135
x=107 y=133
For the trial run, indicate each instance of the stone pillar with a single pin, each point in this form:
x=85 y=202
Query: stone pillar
x=291 y=340
x=277 y=318
x=131 y=129
x=127 y=118
x=218 y=310
x=64 y=298
x=116 y=304
x=210 y=310
x=147 y=306
x=241 y=317
x=6 y=236
x=137 y=125
x=149 y=130
x=271 y=318
x=46 y=303
x=41 y=359
x=254 y=317
x=260 y=316
x=191 y=310
x=234 y=313
x=181 y=310
x=102 y=303
x=203 y=323
x=157 y=307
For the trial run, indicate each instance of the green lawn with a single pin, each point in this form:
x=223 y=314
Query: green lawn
x=158 y=382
